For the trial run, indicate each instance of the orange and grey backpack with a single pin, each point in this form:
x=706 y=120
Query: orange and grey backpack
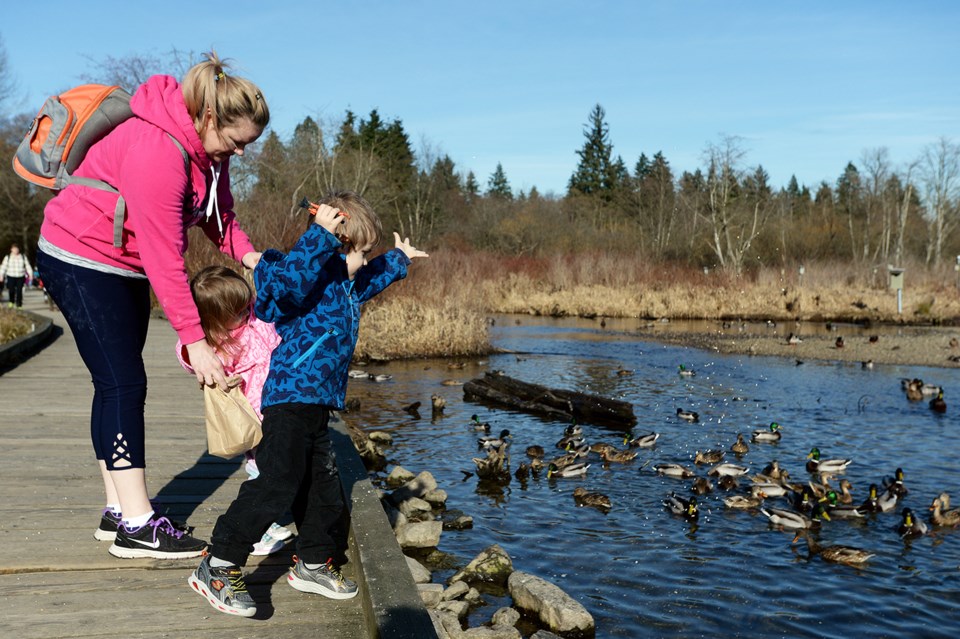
x=62 y=133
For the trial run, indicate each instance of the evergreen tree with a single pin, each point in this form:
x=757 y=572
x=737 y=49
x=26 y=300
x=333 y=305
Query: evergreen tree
x=470 y=187
x=597 y=174
x=498 y=186
x=642 y=169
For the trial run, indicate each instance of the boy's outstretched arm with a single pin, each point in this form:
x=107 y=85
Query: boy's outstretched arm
x=386 y=269
x=408 y=250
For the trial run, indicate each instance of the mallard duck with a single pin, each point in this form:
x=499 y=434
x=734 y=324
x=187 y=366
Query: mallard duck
x=522 y=472
x=772 y=434
x=817 y=465
x=674 y=470
x=895 y=484
x=437 y=404
x=876 y=503
x=740 y=501
x=580 y=451
x=913 y=390
x=701 y=486
x=684 y=507
x=836 y=553
x=564 y=460
x=573 y=430
x=793 y=339
x=535 y=451
x=618 y=456
x=769 y=489
x=708 y=457
x=804 y=501
x=823 y=487
x=789 y=519
x=937 y=404
x=772 y=471
x=727 y=469
x=570 y=441
x=686 y=372
x=838 y=510
x=941 y=515
x=381 y=377
x=573 y=470
x=728 y=482
x=910 y=526
x=594 y=500
x=688 y=415
x=477 y=425
x=599 y=447
x=740 y=447
x=495 y=443
x=356 y=373
x=641 y=441
x=867 y=365
x=846 y=491
x=930 y=390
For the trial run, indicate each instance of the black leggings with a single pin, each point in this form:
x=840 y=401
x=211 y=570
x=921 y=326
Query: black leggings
x=108 y=315
x=15 y=286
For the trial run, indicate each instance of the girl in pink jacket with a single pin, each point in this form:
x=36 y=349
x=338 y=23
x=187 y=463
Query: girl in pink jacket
x=104 y=290
x=244 y=345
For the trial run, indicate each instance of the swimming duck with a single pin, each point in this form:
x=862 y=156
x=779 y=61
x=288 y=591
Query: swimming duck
x=708 y=457
x=867 y=365
x=740 y=447
x=942 y=516
x=686 y=508
x=793 y=339
x=573 y=430
x=495 y=443
x=437 y=404
x=929 y=390
x=727 y=469
x=356 y=373
x=688 y=415
x=381 y=377
x=789 y=519
x=641 y=441
x=911 y=526
x=623 y=372
x=522 y=472
x=618 y=456
x=701 y=486
x=594 y=500
x=846 y=492
x=570 y=441
x=581 y=450
x=817 y=465
x=876 y=503
x=573 y=470
x=913 y=389
x=770 y=435
x=895 y=484
x=838 y=510
x=937 y=404
x=599 y=447
x=686 y=372
x=740 y=501
x=564 y=460
x=477 y=425
x=535 y=451
x=837 y=554
x=728 y=482
x=769 y=489
x=674 y=470
x=804 y=501
x=772 y=471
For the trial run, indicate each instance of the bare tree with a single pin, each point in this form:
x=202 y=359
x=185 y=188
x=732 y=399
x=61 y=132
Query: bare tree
x=132 y=70
x=940 y=175
x=874 y=179
x=8 y=85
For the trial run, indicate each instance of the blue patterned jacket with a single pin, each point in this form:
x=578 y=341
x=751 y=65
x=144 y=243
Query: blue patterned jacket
x=308 y=295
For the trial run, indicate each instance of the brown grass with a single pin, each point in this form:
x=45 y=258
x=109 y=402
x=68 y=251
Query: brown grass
x=13 y=324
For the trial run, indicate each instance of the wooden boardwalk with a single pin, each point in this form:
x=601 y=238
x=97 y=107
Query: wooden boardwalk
x=56 y=580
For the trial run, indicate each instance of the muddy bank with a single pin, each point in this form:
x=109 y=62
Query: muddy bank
x=914 y=347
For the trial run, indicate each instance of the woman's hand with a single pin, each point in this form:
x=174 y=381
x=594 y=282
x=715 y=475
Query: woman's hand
x=206 y=365
x=250 y=260
x=408 y=250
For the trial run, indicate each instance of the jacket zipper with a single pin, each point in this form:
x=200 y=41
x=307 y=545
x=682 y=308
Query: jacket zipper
x=315 y=346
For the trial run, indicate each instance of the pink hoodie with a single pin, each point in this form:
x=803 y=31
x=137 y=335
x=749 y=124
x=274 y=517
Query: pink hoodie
x=143 y=163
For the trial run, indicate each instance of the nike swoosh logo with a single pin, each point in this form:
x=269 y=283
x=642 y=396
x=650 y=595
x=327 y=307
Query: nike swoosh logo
x=149 y=544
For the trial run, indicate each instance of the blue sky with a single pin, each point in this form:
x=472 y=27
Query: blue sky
x=807 y=86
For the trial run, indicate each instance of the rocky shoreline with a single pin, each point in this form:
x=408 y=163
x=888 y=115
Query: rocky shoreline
x=929 y=346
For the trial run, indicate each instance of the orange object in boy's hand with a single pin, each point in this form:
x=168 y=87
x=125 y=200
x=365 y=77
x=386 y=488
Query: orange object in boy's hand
x=313 y=208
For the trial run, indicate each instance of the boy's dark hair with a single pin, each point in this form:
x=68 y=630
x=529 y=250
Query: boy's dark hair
x=363 y=227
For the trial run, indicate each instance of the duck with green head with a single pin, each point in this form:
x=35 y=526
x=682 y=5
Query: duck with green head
x=641 y=441
x=910 y=526
x=572 y=470
x=686 y=508
x=789 y=519
x=770 y=435
x=830 y=466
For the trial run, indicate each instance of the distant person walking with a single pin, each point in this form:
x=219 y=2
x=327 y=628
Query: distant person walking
x=170 y=162
x=14 y=272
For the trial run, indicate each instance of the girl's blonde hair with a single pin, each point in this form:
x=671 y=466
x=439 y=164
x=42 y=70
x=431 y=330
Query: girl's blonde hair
x=362 y=227
x=228 y=98
x=221 y=296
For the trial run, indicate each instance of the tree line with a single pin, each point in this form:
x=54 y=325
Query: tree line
x=724 y=214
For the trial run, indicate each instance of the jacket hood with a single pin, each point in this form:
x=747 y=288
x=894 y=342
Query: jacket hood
x=159 y=101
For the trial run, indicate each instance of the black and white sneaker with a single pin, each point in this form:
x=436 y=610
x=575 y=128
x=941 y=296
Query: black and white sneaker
x=110 y=521
x=158 y=538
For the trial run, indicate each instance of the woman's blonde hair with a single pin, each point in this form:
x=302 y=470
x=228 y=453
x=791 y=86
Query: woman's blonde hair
x=228 y=98
x=363 y=227
x=221 y=296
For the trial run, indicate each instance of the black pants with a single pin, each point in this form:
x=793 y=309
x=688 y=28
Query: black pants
x=298 y=471
x=15 y=286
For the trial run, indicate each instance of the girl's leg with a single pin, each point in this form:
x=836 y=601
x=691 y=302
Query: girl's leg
x=108 y=315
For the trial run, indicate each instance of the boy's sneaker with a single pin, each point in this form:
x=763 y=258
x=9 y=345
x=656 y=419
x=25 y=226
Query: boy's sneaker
x=157 y=538
x=326 y=580
x=109 y=522
x=267 y=545
x=223 y=588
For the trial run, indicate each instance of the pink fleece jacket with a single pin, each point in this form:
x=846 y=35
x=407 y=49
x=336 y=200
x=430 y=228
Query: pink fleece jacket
x=143 y=163
x=255 y=342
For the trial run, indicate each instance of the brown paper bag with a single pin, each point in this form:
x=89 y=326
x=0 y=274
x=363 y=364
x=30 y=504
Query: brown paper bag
x=232 y=425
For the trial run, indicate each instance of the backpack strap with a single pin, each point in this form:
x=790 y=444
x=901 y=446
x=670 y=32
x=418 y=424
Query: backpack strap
x=120 y=211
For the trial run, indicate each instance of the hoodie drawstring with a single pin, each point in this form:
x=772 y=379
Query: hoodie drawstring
x=212 y=206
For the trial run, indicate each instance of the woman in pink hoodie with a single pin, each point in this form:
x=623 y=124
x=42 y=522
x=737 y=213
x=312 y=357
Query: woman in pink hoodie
x=170 y=163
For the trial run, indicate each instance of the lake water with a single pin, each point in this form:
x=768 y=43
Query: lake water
x=643 y=572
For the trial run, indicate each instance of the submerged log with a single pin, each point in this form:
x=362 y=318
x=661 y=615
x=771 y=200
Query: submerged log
x=556 y=403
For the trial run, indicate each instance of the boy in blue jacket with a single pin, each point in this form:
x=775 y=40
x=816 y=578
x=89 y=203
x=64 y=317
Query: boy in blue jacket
x=313 y=296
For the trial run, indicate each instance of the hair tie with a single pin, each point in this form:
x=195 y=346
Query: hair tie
x=257 y=96
x=220 y=75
